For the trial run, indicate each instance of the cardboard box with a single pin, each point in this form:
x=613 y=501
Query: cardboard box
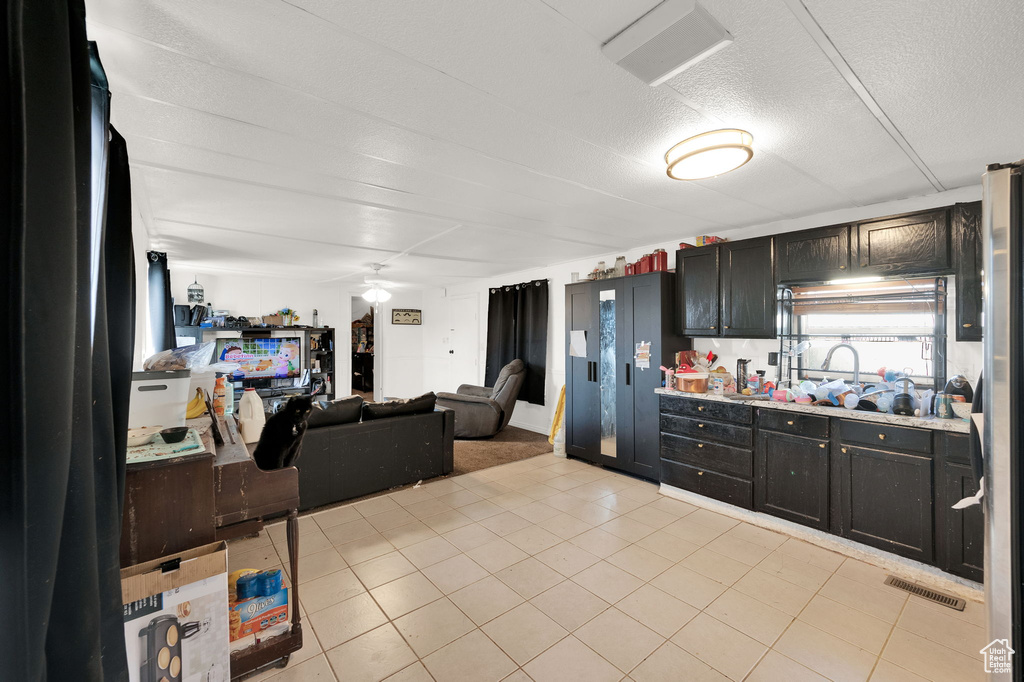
x=175 y=617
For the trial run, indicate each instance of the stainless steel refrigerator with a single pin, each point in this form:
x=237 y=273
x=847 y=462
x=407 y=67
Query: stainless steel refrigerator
x=1003 y=402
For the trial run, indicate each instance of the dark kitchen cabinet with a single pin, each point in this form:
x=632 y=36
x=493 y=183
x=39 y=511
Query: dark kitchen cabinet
x=817 y=255
x=917 y=243
x=792 y=476
x=965 y=528
x=747 y=289
x=967 y=263
x=697 y=291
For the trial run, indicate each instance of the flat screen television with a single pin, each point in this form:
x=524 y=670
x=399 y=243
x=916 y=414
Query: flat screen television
x=275 y=358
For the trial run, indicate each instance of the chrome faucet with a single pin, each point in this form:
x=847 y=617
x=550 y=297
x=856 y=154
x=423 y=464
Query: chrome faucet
x=856 y=360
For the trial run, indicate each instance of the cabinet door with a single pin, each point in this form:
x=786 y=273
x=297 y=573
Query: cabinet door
x=817 y=255
x=697 y=288
x=748 y=289
x=967 y=260
x=791 y=478
x=887 y=501
x=582 y=400
x=917 y=243
x=643 y=313
x=965 y=528
x=614 y=405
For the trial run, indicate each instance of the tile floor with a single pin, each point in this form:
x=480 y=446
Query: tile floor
x=550 y=569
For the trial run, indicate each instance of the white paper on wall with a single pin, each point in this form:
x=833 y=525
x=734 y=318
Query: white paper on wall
x=642 y=357
x=578 y=343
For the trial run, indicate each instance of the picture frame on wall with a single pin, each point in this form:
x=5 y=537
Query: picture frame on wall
x=406 y=316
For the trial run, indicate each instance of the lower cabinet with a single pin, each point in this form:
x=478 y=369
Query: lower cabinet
x=792 y=478
x=962 y=545
x=708 y=483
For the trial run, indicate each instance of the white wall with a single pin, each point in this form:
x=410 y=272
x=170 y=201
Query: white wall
x=961 y=358
x=398 y=349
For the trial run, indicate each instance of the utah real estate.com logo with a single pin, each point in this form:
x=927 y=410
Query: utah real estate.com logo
x=998 y=656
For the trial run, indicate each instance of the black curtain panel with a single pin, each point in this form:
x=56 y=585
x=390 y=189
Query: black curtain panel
x=68 y=349
x=517 y=327
x=161 y=310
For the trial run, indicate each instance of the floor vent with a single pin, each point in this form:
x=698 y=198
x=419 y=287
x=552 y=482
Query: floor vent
x=931 y=595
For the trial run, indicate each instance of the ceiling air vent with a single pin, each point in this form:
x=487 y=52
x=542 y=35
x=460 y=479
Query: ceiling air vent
x=671 y=37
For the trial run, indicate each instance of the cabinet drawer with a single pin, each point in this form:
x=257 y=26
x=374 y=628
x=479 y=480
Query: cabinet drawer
x=877 y=435
x=796 y=423
x=719 y=458
x=958 y=448
x=707 y=429
x=703 y=482
x=696 y=407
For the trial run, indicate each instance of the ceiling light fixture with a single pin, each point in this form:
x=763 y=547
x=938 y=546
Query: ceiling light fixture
x=709 y=154
x=376 y=294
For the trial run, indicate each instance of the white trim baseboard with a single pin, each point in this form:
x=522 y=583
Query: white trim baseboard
x=529 y=427
x=897 y=565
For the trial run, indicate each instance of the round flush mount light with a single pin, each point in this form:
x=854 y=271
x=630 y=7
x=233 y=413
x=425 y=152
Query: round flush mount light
x=709 y=154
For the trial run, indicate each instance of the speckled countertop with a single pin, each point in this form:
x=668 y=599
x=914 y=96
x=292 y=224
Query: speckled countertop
x=952 y=425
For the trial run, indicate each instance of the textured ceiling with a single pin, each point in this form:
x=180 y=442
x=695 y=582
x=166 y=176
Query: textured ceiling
x=459 y=138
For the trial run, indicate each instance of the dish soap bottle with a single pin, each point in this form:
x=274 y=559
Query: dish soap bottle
x=251 y=416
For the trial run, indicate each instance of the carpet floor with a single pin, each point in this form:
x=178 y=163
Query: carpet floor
x=509 y=445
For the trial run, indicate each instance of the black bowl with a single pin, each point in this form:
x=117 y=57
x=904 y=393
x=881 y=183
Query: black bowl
x=175 y=434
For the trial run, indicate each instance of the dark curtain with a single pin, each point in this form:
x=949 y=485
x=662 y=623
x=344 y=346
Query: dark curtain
x=161 y=308
x=68 y=349
x=517 y=327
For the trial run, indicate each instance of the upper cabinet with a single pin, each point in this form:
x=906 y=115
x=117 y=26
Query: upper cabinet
x=967 y=260
x=747 y=289
x=917 y=243
x=697 y=291
x=817 y=255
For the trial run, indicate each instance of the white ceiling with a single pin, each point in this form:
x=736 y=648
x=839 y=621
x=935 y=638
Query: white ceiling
x=458 y=138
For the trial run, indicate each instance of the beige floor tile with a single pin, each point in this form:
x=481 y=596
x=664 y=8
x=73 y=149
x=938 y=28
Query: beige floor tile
x=676 y=507
x=591 y=513
x=413 y=673
x=375 y=505
x=565 y=502
x=405 y=594
x=565 y=526
x=620 y=639
x=628 y=529
x=667 y=545
x=569 y=605
x=539 y=491
x=689 y=586
x=775 y=667
x=715 y=566
x=314 y=670
x=884 y=604
x=330 y=589
x=343 y=621
x=428 y=552
x=863 y=572
x=431 y=507
x=599 y=543
x=590 y=492
x=943 y=628
x=278 y=532
x=497 y=554
x=486 y=599
x=670 y=663
x=930 y=659
x=745 y=552
x=505 y=523
x=794 y=570
x=642 y=563
x=563 y=483
x=371 y=657
x=512 y=500
x=691 y=531
x=349 y=531
x=411 y=496
x=856 y=627
x=620 y=504
x=472 y=657
x=517 y=676
x=642 y=493
x=652 y=516
x=812 y=554
x=489 y=490
x=825 y=654
x=383 y=569
x=320 y=564
x=567 y=558
x=589 y=475
x=257 y=541
x=529 y=577
x=756 y=535
x=524 y=632
x=478 y=511
x=409 y=534
x=658 y=610
x=459 y=498
x=571 y=661
x=364 y=549
x=455 y=573
x=724 y=648
x=974 y=612
x=310 y=649
x=443 y=486
x=447 y=521
x=516 y=482
x=310 y=543
x=470 y=537
x=890 y=672
x=533 y=539
x=393 y=518
x=750 y=616
x=541 y=475
x=608 y=582
x=774 y=591
x=535 y=512
x=431 y=627
x=713 y=520
x=258 y=558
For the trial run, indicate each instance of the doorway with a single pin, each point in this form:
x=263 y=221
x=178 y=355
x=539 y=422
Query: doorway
x=362 y=348
x=464 y=340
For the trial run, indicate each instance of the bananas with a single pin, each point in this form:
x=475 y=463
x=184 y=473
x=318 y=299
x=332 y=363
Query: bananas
x=197 y=406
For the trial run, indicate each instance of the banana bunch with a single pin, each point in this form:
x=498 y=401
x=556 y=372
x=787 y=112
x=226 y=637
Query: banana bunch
x=197 y=406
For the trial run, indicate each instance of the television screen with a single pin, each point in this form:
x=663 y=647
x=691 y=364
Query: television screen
x=263 y=358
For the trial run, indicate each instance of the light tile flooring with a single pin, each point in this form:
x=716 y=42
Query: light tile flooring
x=550 y=569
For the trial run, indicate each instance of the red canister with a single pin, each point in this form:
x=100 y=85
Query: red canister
x=659 y=260
x=629 y=269
x=645 y=263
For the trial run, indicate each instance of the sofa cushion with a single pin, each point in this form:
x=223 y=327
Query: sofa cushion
x=341 y=411
x=514 y=367
x=393 y=408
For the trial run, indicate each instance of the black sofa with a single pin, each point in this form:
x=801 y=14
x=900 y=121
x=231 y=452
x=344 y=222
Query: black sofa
x=343 y=461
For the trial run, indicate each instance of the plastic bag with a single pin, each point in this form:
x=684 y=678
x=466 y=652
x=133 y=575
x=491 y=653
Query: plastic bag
x=186 y=357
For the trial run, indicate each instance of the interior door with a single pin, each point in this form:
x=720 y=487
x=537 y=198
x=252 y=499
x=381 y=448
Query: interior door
x=464 y=341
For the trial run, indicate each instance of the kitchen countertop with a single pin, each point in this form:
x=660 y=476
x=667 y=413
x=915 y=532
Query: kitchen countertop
x=951 y=425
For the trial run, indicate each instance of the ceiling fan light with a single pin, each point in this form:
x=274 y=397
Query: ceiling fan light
x=376 y=295
x=709 y=154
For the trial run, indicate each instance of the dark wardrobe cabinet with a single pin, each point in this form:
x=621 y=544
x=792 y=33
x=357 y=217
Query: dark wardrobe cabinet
x=611 y=410
x=967 y=262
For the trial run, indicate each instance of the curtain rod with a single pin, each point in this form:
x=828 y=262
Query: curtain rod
x=507 y=287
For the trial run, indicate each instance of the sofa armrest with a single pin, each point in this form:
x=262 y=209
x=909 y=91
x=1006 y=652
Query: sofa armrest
x=456 y=400
x=479 y=391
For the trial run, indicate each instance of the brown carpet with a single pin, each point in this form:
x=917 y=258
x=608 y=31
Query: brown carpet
x=509 y=445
